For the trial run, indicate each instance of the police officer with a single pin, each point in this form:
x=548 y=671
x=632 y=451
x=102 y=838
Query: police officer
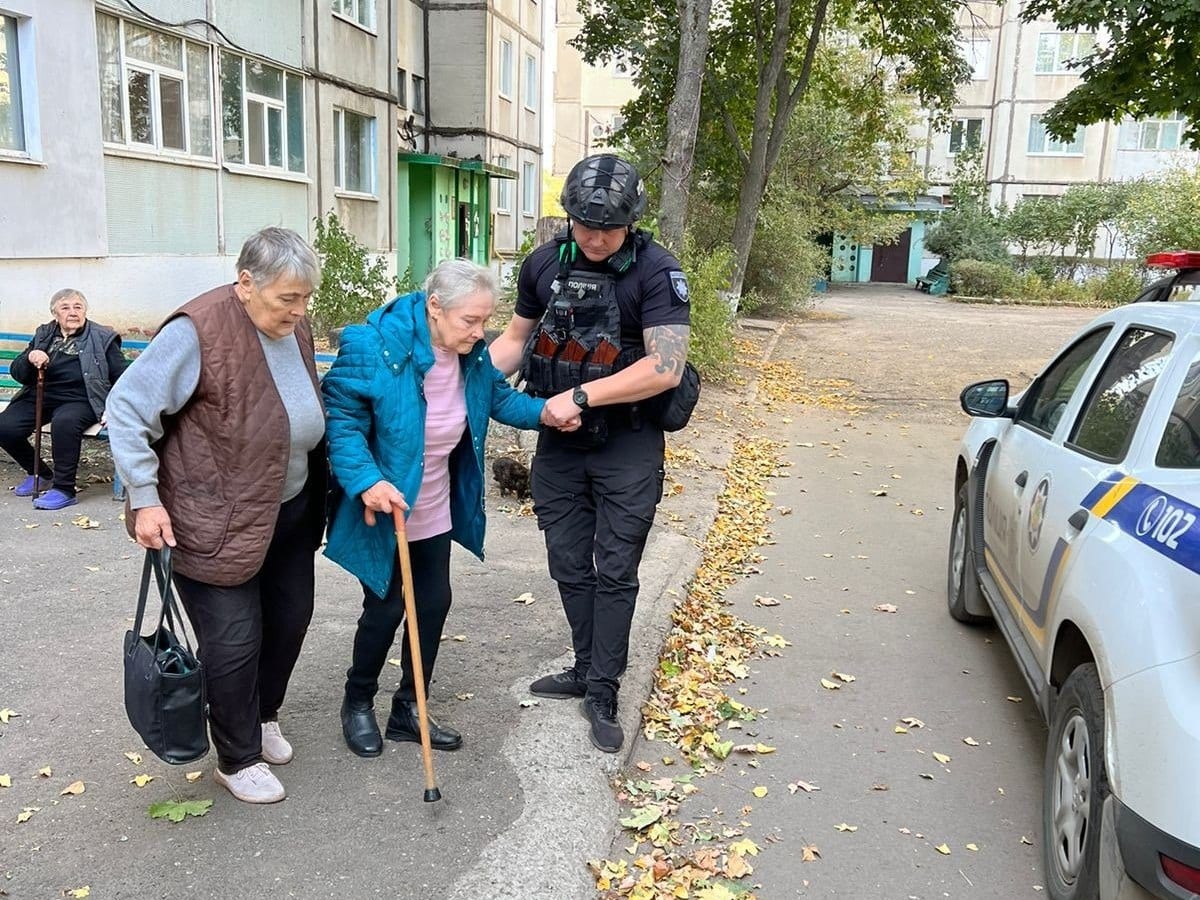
x=601 y=324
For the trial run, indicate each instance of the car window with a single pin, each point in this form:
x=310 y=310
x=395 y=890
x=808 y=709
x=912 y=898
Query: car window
x=1180 y=444
x=1106 y=425
x=1044 y=402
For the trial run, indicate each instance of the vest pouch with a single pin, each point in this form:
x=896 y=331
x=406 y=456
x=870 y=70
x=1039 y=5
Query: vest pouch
x=539 y=374
x=568 y=375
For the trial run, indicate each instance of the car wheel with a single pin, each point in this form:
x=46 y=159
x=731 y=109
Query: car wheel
x=1075 y=788
x=961 y=580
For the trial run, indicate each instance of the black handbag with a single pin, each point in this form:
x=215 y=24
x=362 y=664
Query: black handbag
x=164 y=682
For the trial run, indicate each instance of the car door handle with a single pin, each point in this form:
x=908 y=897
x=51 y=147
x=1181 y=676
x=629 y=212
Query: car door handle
x=1078 y=519
x=1022 y=479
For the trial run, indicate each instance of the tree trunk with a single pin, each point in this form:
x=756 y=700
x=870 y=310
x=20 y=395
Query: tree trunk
x=683 y=118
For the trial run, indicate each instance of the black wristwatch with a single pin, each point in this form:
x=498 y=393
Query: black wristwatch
x=580 y=398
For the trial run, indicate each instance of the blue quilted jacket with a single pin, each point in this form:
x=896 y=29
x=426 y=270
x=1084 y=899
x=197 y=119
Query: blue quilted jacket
x=376 y=431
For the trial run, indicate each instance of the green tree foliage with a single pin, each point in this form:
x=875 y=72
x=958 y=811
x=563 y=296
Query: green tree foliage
x=1162 y=213
x=1144 y=67
x=351 y=284
x=969 y=230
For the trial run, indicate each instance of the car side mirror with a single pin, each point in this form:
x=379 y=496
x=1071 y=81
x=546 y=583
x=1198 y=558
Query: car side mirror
x=986 y=399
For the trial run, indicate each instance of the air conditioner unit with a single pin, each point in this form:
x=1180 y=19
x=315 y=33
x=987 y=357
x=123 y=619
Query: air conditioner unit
x=599 y=130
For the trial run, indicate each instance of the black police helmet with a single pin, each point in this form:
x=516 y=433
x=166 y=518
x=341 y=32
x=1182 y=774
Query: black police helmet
x=604 y=191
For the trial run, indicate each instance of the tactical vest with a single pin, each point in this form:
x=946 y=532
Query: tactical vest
x=579 y=337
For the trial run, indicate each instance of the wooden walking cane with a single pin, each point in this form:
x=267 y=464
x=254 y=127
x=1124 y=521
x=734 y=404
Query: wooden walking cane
x=414 y=647
x=37 y=431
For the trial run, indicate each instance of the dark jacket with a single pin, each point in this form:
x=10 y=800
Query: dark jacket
x=100 y=360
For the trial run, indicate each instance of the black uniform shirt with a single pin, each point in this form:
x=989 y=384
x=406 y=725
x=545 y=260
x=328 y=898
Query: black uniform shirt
x=653 y=291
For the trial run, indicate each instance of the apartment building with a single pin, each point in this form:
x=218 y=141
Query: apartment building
x=137 y=153
x=1019 y=70
x=587 y=99
x=474 y=166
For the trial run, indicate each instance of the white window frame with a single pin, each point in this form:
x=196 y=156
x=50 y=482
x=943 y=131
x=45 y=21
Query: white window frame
x=268 y=103
x=980 y=62
x=416 y=101
x=339 y=156
x=528 y=190
x=1138 y=129
x=1061 y=59
x=402 y=87
x=963 y=122
x=1052 y=147
x=531 y=82
x=505 y=75
x=28 y=122
x=351 y=11
x=156 y=72
x=504 y=188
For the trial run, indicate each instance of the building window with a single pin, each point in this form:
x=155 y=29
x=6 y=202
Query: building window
x=155 y=89
x=418 y=95
x=1056 y=53
x=531 y=83
x=506 y=69
x=528 y=189
x=977 y=53
x=1041 y=142
x=361 y=12
x=504 y=188
x=965 y=133
x=262 y=111
x=12 y=116
x=402 y=88
x=1152 y=134
x=353 y=152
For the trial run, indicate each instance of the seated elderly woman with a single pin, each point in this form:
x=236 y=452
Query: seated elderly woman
x=80 y=361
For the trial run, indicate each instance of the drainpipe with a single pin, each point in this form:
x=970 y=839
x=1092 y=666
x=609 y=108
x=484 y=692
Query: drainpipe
x=425 y=68
x=391 y=143
x=1012 y=111
x=210 y=13
x=316 y=51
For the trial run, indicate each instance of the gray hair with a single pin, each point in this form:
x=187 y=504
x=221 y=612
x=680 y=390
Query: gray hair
x=275 y=253
x=453 y=280
x=66 y=294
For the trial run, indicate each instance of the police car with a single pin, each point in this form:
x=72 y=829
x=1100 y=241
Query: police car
x=1076 y=529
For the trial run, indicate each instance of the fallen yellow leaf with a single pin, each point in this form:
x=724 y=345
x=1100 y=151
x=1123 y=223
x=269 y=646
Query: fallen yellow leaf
x=829 y=685
x=73 y=789
x=802 y=786
x=26 y=814
x=809 y=853
x=841 y=676
x=845 y=827
x=970 y=742
x=79 y=892
x=134 y=757
x=913 y=722
x=141 y=780
x=395 y=662
x=942 y=758
x=6 y=781
x=942 y=849
x=900 y=729
x=973 y=847
x=193 y=777
x=6 y=714
x=45 y=772
x=759 y=792
x=459 y=637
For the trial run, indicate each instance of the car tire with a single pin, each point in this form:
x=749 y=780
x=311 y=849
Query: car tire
x=962 y=582
x=1075 y=786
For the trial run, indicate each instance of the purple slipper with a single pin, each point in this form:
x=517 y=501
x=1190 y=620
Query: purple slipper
x=26 y=487
x=54 y=499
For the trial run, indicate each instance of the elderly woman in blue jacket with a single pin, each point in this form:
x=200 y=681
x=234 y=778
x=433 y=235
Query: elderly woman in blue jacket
x=408 y=401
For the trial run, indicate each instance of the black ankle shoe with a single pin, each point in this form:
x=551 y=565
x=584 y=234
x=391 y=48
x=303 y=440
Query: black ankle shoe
x=402 y=725
x=561 y=685
x=606 y=733
x=360 y=729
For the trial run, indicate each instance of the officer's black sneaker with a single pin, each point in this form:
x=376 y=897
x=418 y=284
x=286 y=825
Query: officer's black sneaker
x=403 y=725
x=606 y=733
x=561 y=685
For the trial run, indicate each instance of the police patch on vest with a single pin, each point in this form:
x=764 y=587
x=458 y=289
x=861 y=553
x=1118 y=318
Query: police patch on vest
x=679 y=285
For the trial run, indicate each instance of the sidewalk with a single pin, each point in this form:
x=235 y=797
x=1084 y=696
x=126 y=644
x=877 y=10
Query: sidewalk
x=526 y=801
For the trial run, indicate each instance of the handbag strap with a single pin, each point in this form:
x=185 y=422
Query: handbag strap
x=159 y=562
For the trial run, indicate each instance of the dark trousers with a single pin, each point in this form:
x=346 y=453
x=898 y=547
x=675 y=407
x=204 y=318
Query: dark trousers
x=250 y=636
x=596 y=507
x=382 y=616
x=68 y=421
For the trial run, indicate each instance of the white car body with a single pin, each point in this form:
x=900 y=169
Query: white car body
x=1118 y=584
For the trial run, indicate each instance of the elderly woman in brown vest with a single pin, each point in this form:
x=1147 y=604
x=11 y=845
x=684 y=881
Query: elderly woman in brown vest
x=218 y=432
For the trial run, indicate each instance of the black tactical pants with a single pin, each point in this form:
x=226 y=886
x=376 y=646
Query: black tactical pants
x=596 y=506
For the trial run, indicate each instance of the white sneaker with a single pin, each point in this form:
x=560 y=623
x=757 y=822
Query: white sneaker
x=275 y=748
x=253 y=784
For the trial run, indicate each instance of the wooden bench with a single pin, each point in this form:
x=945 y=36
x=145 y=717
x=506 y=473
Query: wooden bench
x=13 y=344
x=936 y=281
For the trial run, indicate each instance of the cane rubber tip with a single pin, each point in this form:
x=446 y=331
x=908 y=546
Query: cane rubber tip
x=433 y=795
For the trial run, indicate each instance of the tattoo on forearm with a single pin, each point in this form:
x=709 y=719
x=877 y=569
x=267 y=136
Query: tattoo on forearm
x=668 y=346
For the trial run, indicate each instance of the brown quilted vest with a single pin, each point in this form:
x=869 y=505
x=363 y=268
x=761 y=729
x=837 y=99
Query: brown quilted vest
x=223 y=457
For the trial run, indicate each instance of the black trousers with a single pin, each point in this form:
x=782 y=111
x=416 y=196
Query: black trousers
x=250 y=637
x=68 y=421
x=596 y=506
x=382 y=616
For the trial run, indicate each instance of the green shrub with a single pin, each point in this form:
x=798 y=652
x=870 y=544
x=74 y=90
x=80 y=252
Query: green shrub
x=976 y=278
x=1120 y=284
x=1066 y=293
x=711 y=346
x=783 y=265
x=351 y=286
x=968 y=232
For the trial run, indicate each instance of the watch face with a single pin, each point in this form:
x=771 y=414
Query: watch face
x=580 y=397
